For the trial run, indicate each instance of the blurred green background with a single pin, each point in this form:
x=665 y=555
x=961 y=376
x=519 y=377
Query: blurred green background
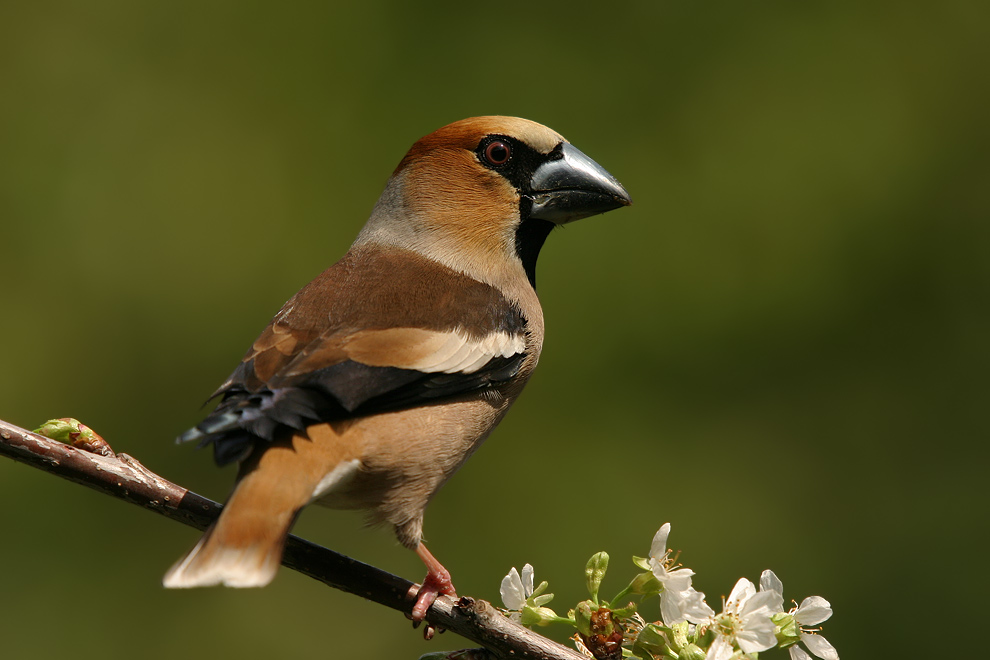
x=782 y=348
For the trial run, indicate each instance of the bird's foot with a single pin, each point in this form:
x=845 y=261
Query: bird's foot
x=436 y=583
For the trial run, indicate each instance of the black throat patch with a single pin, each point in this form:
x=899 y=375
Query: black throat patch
x=530 y=237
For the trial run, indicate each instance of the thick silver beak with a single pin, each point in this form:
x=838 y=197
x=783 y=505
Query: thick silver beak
x=573 y=187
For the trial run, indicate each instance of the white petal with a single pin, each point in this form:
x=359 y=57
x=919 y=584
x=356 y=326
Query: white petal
x=770 y=582
x=694 y=607
x=670 y=608
x=659 y=547
x=678 y=580
x=758 y=604
x=527 y=580
x=797 y=653
x=720 y=649
x=812 y=611
x=820 y=646
x=689 y=605
x=512 y=591
x=757 y=635
x=742 y=592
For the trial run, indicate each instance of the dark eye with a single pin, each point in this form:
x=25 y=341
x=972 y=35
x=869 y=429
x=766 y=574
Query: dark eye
x=498 y=153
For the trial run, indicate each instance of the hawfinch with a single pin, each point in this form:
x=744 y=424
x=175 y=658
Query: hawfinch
x=378 y=379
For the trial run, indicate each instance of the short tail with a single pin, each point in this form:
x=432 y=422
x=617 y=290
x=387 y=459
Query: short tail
x=242 y=549
x=211 y=563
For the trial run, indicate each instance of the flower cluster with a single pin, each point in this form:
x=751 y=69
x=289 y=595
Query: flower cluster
x=752 y=620
x=526 y=604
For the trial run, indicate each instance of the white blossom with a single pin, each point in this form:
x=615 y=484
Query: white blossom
x=812 y=611
x=526 y=604
x=688 y=605
x=679 y=601
x=516 y=589
x=744 y=622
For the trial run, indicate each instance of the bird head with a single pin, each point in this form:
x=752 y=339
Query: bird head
x=482 y=194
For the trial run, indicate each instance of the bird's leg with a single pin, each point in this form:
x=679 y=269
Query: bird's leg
x=436 y=582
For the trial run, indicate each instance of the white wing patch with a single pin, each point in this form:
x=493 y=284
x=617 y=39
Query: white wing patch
x=463 y=354
x=431 y=351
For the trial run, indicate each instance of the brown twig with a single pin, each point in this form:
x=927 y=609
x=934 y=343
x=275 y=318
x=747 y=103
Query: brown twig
x=125 y=478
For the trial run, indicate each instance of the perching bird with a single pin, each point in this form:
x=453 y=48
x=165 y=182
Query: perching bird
x=377 y=380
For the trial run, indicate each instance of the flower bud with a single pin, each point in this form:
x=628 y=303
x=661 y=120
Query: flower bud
x=582 y=616
x=594 y=573
x=77 y=434
x=536 y=616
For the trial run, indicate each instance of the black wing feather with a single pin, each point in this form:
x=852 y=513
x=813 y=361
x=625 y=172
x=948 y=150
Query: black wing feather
x=344 y=390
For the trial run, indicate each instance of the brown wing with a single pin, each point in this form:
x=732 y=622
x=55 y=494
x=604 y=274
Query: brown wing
x=377 y=331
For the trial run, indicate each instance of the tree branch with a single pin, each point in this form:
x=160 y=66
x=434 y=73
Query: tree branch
x=125 y=478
